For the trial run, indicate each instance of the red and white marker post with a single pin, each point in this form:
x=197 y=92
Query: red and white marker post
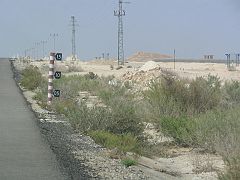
x=50 y=78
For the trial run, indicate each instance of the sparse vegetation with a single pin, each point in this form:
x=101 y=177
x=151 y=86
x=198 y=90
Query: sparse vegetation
x=197 y=113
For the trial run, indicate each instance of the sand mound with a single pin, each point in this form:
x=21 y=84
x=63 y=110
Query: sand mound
x=146 y=56
x=149 y=66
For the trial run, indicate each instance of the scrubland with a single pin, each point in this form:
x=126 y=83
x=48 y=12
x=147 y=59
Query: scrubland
x=201 y=112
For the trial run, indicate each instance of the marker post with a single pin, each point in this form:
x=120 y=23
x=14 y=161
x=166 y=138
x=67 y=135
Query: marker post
x=50 y=78
x=51 y=74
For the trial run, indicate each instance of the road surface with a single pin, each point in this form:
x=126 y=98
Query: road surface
x=23 y=153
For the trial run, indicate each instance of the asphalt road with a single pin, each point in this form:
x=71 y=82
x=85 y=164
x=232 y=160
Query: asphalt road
x=23 y=153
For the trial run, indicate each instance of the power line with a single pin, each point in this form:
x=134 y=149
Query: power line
x=120 y=13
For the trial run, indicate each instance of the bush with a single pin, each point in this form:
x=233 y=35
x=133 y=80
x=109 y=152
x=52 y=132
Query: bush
x=32 y=78
x=129 y=162
x=121 y=116
x=204 y=94
x=231 y=91
x=181 y=129
x=218 y=131
x=124 y=143
x=124 y=118
x=175 y=97
x=64 y=106
x=41 y=98
x=84 y=119
x=121 y=119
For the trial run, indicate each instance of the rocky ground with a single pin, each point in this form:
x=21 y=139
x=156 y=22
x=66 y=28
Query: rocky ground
x=84 y=159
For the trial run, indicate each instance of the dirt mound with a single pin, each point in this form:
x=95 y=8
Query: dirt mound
x=146 y=56
x=140 y=80
x=149 y=66
x=142 y=76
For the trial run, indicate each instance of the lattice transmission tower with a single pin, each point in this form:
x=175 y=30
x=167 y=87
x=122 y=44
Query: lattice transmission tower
x=120 y=13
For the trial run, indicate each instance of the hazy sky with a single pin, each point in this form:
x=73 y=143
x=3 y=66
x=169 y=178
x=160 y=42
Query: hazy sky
x=192 y=27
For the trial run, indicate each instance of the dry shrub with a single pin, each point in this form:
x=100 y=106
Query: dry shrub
x=218 y=131
x=31 y=78
x=174 y=97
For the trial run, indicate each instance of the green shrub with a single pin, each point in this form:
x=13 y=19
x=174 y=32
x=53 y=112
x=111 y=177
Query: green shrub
x=121 y=116
x=129 y=162
x=41 y=98
x=218 y=131
x=124 y=118
x=124 y=143
x=121 y=119
x=71 y=85
x=231 y=92
x=64 y=106
x=176 y=97
x=32 y=78
x=204 y=94
x=84 y=119
x=181 y=129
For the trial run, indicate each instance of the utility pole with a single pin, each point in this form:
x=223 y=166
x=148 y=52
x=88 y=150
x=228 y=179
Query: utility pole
x=73 y=24
x=120 y=13
x=36 y=50
x=33 y=53
x=228 y=60
x=25 y=53
x=237 y=59
x=54 y=35
x=43 y=48
x=174 y=58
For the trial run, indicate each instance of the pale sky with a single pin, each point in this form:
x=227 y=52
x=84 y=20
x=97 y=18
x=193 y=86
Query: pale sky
x=192 y=27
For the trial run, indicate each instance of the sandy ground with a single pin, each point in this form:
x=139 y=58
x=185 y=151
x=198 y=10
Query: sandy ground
x=107 y=68
x=186 y=70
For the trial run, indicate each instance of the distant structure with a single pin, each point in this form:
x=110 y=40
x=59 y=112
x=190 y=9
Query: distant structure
x=120 y=13
x=105 y=56
x=73 y=24
x=230 y=61
x=208 y=57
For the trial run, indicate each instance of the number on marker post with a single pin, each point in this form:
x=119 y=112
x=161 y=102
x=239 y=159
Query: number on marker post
x=57 y=75
x=58 y=56
x=56 y=93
